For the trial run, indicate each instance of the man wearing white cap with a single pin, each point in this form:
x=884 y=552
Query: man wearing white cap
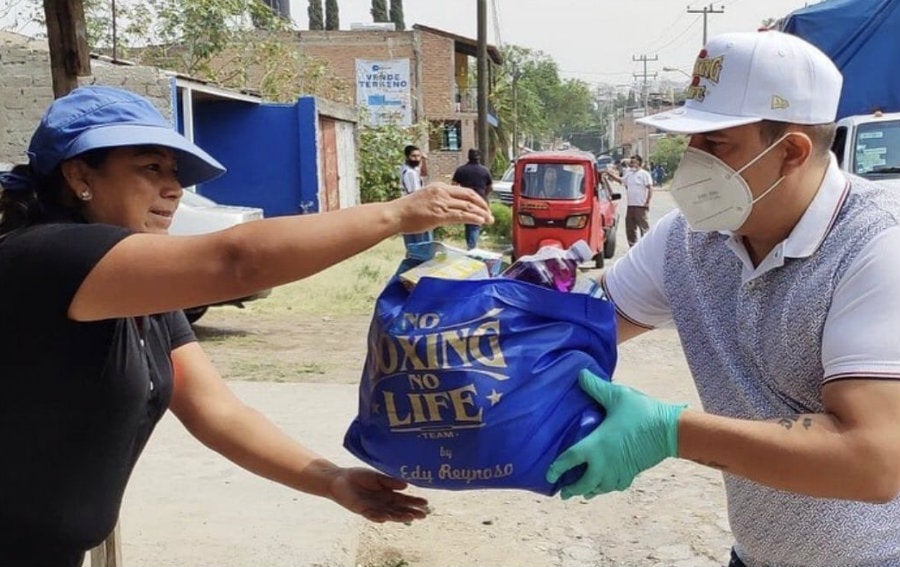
x=781 y=276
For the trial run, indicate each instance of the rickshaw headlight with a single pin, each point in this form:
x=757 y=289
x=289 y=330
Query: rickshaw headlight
x=526 y=220
x=576 y=221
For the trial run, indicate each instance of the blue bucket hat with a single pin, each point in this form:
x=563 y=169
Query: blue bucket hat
x=94 y=117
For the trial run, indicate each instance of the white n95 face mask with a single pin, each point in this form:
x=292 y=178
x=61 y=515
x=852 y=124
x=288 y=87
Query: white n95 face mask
x=711 y=195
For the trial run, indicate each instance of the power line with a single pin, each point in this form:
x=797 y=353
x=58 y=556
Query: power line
x=706 y=11
x=680 y=35
x=665 y=33
x=644 y=59
x=495 y=16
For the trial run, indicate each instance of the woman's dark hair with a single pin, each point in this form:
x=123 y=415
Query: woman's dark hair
x=47 y=199
x=18 y=208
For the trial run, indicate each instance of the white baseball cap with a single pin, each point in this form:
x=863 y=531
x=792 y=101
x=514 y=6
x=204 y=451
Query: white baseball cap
x=747 y=77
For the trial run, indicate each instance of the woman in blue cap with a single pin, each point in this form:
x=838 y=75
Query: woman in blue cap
x=92 y=338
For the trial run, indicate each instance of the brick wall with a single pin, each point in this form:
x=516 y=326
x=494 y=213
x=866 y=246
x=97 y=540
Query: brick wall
x=432 y=69
x=26 y=89
x=438 y=75
x=341 y=49
x=630 y=134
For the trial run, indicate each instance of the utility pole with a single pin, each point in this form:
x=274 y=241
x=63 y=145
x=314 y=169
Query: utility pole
x=516 y=73
x=67 y=39
x=705 y=11
x=483 y=133
x=644 y=92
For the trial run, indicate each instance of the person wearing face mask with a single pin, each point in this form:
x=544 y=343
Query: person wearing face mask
x=780 y=274
x=411 y=173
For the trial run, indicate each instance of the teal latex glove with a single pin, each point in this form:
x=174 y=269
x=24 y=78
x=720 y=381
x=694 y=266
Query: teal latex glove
x=637 y=433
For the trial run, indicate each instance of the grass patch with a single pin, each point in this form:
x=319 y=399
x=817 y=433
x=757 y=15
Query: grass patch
x=273 y=371
x=348 y=288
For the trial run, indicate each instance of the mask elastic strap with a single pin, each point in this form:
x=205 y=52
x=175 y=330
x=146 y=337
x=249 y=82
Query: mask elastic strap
x=764 y=152
x=767 y=191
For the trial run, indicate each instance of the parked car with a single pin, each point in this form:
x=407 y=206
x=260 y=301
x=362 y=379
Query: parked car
x=503 y=188
x=603 y=161
x=197 y=214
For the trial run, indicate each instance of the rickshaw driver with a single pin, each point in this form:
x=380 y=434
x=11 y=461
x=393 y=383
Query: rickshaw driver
x=548 y=187
x=557 y=183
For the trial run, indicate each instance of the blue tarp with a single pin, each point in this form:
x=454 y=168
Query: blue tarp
x=862 y=37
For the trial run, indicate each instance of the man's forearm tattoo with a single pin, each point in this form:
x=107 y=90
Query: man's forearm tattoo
x=788 y=422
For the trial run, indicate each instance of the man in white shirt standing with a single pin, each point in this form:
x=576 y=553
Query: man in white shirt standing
x=411 y=173
x=638 y=189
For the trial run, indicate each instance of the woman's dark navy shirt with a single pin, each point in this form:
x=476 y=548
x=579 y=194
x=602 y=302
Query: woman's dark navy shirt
x=78 y=401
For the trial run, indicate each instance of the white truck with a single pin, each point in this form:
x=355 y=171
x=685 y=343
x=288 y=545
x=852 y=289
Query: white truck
x=868 y=145
x=861 y=37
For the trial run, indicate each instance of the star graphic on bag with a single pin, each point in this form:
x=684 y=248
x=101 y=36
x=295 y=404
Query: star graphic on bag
x=494 y=397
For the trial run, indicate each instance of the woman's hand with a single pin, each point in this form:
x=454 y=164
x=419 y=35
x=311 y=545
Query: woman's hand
x=375 y=496
x=438 y=204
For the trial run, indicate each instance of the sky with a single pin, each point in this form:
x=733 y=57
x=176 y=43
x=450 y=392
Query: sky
x=592 y=40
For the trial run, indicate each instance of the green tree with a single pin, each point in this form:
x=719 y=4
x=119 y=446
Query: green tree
x=187 y=35
x=380 y=158
x=668 y=152
x=314 y=11
x=536 y=106
x=17 y=15
x=397 y=14
x=332 y=17
x=521 y=95
x=379 y=11
x=574 y=116
x=240 y=44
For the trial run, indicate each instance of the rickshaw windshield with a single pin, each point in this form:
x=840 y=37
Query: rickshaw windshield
x=555 y=181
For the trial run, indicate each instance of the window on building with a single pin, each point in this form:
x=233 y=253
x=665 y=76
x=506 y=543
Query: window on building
x=446 y=135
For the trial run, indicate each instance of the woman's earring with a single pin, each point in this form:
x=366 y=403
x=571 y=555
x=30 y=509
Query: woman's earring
x=85 y=195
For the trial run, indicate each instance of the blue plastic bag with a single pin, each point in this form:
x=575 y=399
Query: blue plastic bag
x=473 y=384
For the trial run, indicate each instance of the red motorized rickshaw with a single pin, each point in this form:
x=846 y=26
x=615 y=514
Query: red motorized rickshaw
x=558 y=199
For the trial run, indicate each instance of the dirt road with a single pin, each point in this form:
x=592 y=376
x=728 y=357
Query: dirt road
x=672 y=515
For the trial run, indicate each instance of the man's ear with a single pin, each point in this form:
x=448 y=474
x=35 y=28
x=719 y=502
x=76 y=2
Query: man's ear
x=798 y=148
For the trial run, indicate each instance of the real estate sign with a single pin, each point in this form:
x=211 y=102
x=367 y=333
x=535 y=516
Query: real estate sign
x=383 y=87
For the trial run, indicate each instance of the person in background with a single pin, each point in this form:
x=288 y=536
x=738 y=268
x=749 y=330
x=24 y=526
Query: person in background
x=780 y=274
x=410 y=182
x=638 y=190
x=476 y=177
x=94 y=347
x=659 y=174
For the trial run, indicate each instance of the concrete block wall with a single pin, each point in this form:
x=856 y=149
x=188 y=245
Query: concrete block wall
x=26 y=89
x=149 y=82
